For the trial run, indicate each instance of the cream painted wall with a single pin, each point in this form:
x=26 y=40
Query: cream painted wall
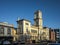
x=26 y=27
x=47 y=33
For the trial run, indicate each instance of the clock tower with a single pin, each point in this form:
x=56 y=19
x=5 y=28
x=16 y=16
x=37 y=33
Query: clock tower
x=38 y=19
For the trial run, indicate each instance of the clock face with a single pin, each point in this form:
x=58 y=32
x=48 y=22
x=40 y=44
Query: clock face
x=35 y=16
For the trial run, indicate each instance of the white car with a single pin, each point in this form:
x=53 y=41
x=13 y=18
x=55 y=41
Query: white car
x=6 y=42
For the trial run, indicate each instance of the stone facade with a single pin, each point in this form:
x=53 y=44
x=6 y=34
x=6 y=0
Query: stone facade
x=32 y=32
x=7 y=31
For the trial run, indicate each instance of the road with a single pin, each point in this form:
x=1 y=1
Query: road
x=32 y=44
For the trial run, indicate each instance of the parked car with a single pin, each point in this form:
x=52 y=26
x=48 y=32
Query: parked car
x=0 y=42
x=6 y=43
x=15 y=43
x=22 y=42
x=53 y=44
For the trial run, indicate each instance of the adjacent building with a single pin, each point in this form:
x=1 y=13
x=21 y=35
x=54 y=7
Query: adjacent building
x=6 y=31
x=46 y=33
x=14 y=34
x=52 y=35
x=57 y=34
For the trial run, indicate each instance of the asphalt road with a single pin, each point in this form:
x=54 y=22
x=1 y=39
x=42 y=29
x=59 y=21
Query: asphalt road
x=32 y=44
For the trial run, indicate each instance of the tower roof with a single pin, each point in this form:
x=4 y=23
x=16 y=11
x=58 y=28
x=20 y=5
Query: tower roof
x=23 y=20
x=37 y=11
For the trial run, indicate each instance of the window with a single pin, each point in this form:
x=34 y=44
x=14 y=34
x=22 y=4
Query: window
x=20 y=31
x=57 y=30
x=1 y=29
x=33 y=31
x=9 y=31
x=27 y=24
x=27 y=31
x=35 y=16
x=36 y=22
x=20 y=23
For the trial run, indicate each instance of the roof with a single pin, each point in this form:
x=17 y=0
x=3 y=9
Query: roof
x=15 y=28
x=45 y=27
x=23 y=20
x=6 y=24
x=38 y=11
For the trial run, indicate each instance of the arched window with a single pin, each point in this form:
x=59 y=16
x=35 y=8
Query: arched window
x=9 y=31
x=1 y=29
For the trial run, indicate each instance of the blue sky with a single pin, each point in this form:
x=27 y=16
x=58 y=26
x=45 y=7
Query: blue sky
x=11 y=9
